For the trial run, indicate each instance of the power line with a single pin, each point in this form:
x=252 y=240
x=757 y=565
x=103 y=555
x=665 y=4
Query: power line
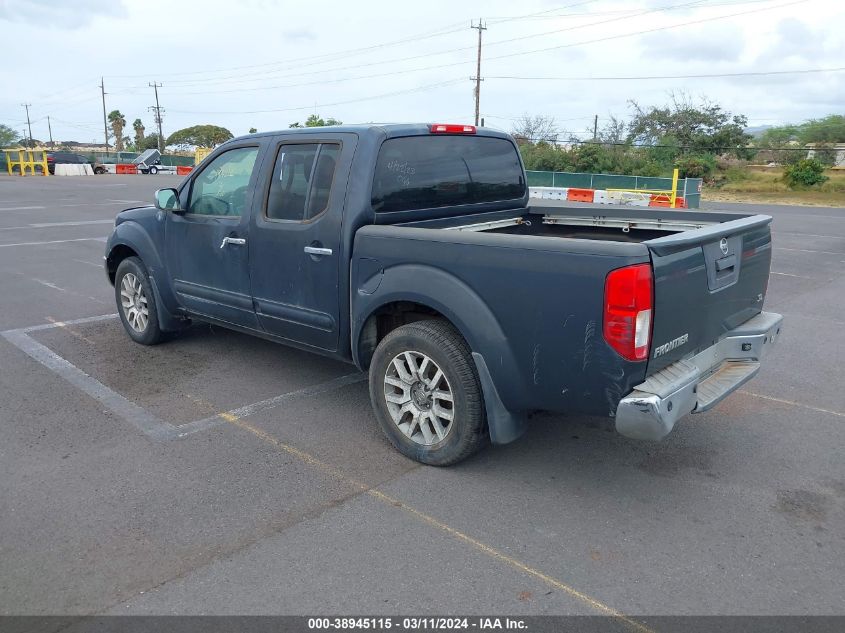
x=653 y=30
x=497 y=19
x=761 y=73
x=239 y=79
x=508 y=55
x=323 y=105
x=328 y=57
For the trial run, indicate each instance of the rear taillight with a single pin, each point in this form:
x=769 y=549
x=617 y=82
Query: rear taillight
x=451 y=128
x=628 y=304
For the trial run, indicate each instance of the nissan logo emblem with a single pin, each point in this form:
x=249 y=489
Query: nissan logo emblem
x=724 y=246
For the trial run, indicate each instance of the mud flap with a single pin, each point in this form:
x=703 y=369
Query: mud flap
x=504 y=425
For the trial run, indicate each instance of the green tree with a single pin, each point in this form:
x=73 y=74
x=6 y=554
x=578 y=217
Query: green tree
x=200 y=136
x=701 y=166
x=148 y=142
x=8 y=136
x=253 y=130
x=805 y=173
x=830 y=129
x=139 y=128
x=315 y=120
x=117 y=122
x=695 y=128
x=534 y=129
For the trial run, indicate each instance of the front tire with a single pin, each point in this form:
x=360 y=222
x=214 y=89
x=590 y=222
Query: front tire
x=426 y=394
x=153 y=170
x=136 y=302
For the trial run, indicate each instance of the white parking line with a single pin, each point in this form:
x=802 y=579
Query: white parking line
x=792 y=403
x=834 y=237
x=78 y=239
x=95 y=264
x=790 y=275
x=257 y=407
x=134 y=414
x=50 y=225
x=19 y=208
x=805 y=250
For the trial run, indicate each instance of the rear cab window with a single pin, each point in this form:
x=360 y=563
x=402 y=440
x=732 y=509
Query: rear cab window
x=423 y=172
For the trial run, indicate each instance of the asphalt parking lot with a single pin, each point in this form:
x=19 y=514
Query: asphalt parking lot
x=221 y=474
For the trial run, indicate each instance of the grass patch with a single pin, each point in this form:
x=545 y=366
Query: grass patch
x=744 y=185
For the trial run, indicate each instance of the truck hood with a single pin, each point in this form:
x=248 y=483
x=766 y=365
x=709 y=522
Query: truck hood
x=135 y=213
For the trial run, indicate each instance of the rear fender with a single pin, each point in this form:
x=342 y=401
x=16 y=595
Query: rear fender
x=457 y=302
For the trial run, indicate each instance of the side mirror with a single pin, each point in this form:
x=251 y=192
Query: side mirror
x=167 y=200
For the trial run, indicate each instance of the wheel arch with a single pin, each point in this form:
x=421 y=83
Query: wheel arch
x=399 y=300
x=130 y=239
x=117 y=254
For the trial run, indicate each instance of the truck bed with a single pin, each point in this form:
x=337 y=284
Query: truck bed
x=710 y=269
x=623 y=224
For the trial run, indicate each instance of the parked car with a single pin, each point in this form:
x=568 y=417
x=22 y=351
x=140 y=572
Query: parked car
x=60 y=158
x=412 y=252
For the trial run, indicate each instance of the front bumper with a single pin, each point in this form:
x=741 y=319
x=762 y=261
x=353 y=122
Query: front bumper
x=698 y=383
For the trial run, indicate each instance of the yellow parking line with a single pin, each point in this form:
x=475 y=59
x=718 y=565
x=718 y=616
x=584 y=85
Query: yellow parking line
x=793 y=403
x=70 y=330
x=430 y=520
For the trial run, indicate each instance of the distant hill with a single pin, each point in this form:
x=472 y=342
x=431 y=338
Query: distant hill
x=757 y=130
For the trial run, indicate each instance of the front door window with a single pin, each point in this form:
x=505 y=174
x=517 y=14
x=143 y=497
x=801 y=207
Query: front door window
x=221 y=188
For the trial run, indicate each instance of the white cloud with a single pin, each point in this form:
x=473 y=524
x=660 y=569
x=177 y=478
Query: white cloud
x=214 y=57
x=71 y=15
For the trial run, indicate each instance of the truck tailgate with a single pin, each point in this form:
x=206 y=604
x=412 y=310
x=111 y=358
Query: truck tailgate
x=707 y=281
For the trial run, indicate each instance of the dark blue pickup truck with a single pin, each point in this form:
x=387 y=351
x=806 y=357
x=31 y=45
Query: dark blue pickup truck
x=413 y=251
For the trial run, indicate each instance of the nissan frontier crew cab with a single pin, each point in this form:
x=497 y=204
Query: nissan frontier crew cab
x=414 y=252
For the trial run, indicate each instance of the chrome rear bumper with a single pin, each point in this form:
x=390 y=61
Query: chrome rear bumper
x=698 y=383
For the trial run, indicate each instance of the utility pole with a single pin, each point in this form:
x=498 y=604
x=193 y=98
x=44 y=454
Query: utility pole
x=155 y=86
x=105 y=120
x=50 y=130
x=480 y=27
x=595 y=128
x=28 y=124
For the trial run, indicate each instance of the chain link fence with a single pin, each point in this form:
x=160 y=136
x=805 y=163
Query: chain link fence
x=688 y=188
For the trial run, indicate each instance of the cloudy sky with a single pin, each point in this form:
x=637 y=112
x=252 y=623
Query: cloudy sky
x=265 y=64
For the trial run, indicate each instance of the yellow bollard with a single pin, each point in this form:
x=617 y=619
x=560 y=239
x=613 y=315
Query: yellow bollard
x=674 y=189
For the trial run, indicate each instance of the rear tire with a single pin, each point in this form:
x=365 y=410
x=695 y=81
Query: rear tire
x=136 y=303
x=426 y=394
x=154 y=170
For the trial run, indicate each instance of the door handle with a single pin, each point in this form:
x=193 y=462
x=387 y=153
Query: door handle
x=316 y=250
x=238 y=241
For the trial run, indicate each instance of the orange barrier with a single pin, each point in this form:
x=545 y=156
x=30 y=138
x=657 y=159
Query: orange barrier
x=580 y=195
x=125 y=168
x=183 y=170
x=662 y=200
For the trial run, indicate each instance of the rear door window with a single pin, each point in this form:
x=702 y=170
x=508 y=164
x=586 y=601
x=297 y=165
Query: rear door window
x=302 y=181
x=423 y=172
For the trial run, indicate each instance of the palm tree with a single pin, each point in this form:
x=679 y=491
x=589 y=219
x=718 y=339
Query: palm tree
x=139 y=133
x=118 y=122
